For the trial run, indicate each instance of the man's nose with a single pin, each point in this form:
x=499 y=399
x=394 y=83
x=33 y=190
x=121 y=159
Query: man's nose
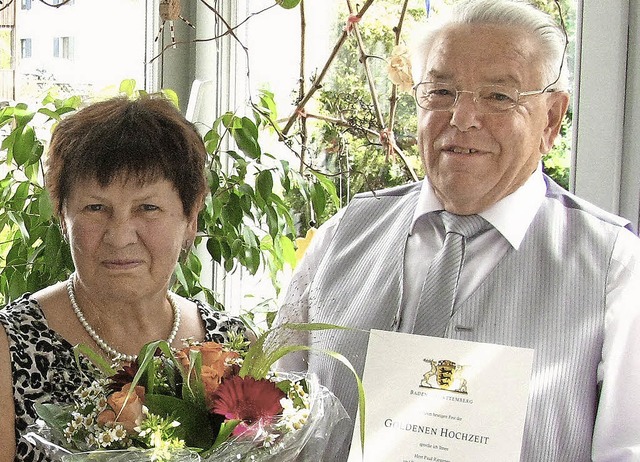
x=465 y=113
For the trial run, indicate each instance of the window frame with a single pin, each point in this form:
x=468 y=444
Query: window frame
x=606 y=129
x=26 y=48
x=63 y=47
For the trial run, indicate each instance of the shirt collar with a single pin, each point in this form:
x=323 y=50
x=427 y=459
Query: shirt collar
x=511 y=216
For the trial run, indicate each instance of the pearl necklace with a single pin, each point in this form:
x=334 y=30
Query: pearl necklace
x=112 y=352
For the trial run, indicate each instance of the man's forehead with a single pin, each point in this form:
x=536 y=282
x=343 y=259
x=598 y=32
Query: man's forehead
x=495 y=53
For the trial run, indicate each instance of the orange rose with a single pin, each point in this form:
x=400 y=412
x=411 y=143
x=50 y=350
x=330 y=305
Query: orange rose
x=214 y=358
x=214 y=364
x=211 y=380
x=125 y=411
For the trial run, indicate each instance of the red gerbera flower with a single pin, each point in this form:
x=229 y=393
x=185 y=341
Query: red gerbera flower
x=249 y=400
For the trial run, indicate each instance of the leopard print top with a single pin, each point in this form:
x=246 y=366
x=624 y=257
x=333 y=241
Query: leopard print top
x=44 y=366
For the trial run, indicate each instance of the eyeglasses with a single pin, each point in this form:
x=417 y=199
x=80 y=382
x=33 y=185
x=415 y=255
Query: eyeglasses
x=489 y=99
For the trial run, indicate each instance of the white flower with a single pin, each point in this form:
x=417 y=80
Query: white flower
x=77 y=420
x=105 y=438
x=293 y=418
x=399 y=68
x=119 y=433
x=269 y=440
x=101 y=404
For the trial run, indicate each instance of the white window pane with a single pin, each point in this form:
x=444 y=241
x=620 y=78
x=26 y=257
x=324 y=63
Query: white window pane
x=78 y=48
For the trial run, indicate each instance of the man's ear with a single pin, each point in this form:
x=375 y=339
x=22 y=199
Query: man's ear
x=557 y=104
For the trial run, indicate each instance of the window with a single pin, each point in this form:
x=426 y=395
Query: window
x=25 y=4
x=63 y=47
x=75 y=50
x=25 y=48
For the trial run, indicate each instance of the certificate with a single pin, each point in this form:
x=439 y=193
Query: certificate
x=442 y=400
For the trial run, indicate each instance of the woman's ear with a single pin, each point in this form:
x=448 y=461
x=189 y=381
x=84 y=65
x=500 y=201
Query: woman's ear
x=192 y=229
x=63 y=227
x=557 y=104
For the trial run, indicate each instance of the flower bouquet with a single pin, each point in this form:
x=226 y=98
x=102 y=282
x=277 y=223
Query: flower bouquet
x=205 y=402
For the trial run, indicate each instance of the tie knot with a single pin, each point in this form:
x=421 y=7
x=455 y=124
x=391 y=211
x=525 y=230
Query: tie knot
x=466 y=225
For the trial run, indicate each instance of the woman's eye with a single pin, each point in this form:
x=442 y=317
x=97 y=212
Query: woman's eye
x=149 y=207
x=95 y=207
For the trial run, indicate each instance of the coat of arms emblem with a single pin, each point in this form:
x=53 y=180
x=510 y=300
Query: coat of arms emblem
x=444 y=375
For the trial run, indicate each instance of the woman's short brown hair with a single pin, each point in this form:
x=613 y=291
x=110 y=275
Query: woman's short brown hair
x=145 y=139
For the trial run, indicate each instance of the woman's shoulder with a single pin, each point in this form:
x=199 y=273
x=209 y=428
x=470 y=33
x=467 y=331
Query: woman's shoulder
x=22 y=313
x=218 y=324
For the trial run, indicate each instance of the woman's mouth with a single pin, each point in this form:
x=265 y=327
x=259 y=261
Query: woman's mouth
x=121 y=264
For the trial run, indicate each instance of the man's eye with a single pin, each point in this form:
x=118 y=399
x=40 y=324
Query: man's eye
x=498 y=97
x=440 y=92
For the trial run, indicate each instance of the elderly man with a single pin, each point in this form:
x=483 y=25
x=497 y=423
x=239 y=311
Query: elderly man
x=542 y=269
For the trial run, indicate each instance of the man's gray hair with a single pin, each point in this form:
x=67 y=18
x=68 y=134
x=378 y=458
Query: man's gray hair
x=519 y=14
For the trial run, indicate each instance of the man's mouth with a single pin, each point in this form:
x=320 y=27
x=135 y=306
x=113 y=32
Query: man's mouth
x=460 y=150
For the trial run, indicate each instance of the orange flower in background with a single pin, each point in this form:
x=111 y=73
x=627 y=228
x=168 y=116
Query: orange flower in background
x=125 y=410
x=399 y=68
x=215 y=365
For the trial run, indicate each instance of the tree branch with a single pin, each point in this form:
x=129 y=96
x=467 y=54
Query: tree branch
x=318 y=80
x=393 y=99
x=367 y=70
x=301 y=88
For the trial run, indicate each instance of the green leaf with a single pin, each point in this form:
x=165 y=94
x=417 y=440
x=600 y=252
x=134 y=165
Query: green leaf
x=246 y=137
x=24 y=145
x=45 y=207
x=54 y=415
x=19 y=222
x=180 y=276
x=128 y=87
x=212 y=141
x=20 y=195
x=318 y=199
x=171 y=96
x=288 y=251
x=272 y=221
x=232 y=211
x=328 y=186
x=196 y=426
x=48 y=112
x=214 y=249
x=102 y=364
x=288 y=4
x=22 y=114
x=226 y=429
x=264 y=185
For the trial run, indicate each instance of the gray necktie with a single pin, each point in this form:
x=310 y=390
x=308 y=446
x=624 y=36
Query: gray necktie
x=438 y=295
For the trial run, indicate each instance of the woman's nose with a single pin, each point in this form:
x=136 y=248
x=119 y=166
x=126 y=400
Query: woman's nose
x=120 y=231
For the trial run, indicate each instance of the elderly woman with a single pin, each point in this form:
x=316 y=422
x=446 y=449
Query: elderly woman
x=127 y=180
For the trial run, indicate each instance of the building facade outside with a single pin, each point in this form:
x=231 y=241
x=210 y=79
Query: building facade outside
x=74 y=47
